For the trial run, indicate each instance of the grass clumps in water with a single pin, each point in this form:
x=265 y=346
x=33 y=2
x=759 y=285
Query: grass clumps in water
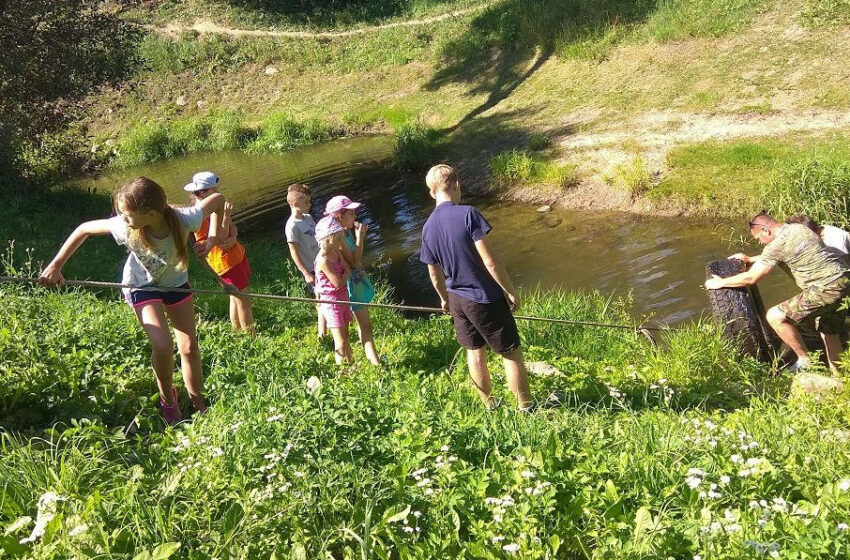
x=633 y=176
x=520 y=167
x=416 y=145
x=225 y=130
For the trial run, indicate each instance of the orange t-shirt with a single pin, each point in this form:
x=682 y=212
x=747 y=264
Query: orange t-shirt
x=221 y=261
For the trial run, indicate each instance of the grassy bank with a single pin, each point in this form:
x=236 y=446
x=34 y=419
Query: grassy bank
x=667 y=452
x=783 y=175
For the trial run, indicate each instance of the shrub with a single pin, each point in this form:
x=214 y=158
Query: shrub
x=819 y=187
x=282 y=132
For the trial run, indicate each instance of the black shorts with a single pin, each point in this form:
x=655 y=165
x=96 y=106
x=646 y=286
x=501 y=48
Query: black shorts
x=477 y=324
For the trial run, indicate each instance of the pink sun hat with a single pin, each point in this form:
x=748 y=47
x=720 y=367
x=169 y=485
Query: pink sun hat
x=340 y=202
x=327 y=226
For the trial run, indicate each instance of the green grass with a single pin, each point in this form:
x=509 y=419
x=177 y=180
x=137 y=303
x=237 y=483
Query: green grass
x=633 y=176
x=741 y=177
x=277 y=468
x=519 y=167
x=818 y=186
x=826 y=12
x=227 y=130
x=416 y=146
x=395 y=462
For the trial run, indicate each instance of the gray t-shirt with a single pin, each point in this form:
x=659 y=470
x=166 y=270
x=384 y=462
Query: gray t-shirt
x=303 y=232
x=160 y=267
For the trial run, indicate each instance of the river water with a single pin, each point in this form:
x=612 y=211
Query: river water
x=660 y=261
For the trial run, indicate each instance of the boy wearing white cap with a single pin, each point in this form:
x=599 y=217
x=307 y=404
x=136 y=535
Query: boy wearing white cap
x=228 y=258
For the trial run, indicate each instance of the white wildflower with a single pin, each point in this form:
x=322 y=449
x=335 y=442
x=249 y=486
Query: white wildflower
x=736 y=458
x=843 y=526
x=444 y=448
x=497 y=539
x=424 y=482
x=693 y=482
x=298 y=474
x=744 y=473
x=47 y=506
x=78 y=530
x=217 y=452
x=528 y=474
x=274 y=418
x=314 y=384
x=408 y=529
x=844 y=485
x=512 y=548
x=732 y=528
x=724 y=480
x=779 y=504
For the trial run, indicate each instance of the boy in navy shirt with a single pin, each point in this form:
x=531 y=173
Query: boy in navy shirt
x=473 y=286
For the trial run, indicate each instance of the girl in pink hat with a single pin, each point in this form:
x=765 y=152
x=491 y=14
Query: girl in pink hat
x=332 y=273
x=360 y=289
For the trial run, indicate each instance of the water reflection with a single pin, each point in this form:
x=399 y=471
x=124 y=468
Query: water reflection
x=660 y=261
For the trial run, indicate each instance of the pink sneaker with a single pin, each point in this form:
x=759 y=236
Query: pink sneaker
x=171 y=414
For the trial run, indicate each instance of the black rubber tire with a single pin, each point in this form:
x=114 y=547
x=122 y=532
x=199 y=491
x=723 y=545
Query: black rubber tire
x=736 y=311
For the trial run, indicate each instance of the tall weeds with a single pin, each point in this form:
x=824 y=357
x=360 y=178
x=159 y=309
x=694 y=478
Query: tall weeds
x=819 y=187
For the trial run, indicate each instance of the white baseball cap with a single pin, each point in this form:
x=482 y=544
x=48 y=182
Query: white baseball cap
x=201 y=181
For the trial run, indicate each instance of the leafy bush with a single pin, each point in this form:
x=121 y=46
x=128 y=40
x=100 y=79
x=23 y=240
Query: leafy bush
x=819 y=187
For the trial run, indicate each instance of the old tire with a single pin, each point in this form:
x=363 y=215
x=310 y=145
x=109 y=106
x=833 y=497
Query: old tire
x=736 y=311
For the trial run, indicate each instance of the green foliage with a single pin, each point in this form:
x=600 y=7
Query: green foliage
x=740 y=177
x=521 y=167
x=281 y=131
x=632 y=176
x=224 y=130
x=679 y=19
x=819 y=187
x=57 y=51
x=652 y=453
x=416 y=145
x=826 y=12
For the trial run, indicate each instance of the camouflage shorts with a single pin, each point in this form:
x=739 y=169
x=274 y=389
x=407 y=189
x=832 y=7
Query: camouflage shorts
x=820 y=304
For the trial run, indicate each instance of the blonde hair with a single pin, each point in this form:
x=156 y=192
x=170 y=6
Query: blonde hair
x=295 y=189
x=333 y=239
x=441 y=178
x=143 y=195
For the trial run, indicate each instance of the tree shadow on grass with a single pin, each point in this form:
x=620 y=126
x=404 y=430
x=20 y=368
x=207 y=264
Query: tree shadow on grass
x=510 y=41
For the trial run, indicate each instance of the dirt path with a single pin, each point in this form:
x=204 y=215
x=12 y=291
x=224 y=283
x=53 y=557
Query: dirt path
x=174 y=30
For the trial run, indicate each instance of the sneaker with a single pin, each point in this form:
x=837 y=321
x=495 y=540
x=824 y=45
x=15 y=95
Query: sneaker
x=798 y=367
x=171 y=414
x=530 y=409
x=493 y=404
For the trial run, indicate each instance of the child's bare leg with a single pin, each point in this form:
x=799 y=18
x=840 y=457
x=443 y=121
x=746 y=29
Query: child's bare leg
x=476 y=360
x=342 y=347
x=367 y=338
x=245 y=313
x=234 y=314
x=322 y=323
x=517 y=377
x=152 y=319
x=182 y=317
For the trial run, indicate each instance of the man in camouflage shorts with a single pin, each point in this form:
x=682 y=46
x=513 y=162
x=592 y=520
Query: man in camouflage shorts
x=822 y=275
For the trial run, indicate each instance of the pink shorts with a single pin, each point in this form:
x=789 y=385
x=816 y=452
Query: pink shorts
x=336 y=316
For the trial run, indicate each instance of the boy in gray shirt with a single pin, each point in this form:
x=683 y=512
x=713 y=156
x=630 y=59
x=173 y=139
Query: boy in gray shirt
x=301 y=237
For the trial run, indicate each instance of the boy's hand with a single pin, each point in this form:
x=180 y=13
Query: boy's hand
x=742 y=257
x=513 y=301
x=203 y=249
x=51 y=276
x=444 y=304
x=309 y=278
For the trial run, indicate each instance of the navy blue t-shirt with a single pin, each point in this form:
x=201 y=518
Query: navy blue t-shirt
x=448 y=239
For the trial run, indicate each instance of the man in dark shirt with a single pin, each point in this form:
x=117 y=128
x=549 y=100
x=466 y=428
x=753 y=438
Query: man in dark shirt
x=473 y=286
